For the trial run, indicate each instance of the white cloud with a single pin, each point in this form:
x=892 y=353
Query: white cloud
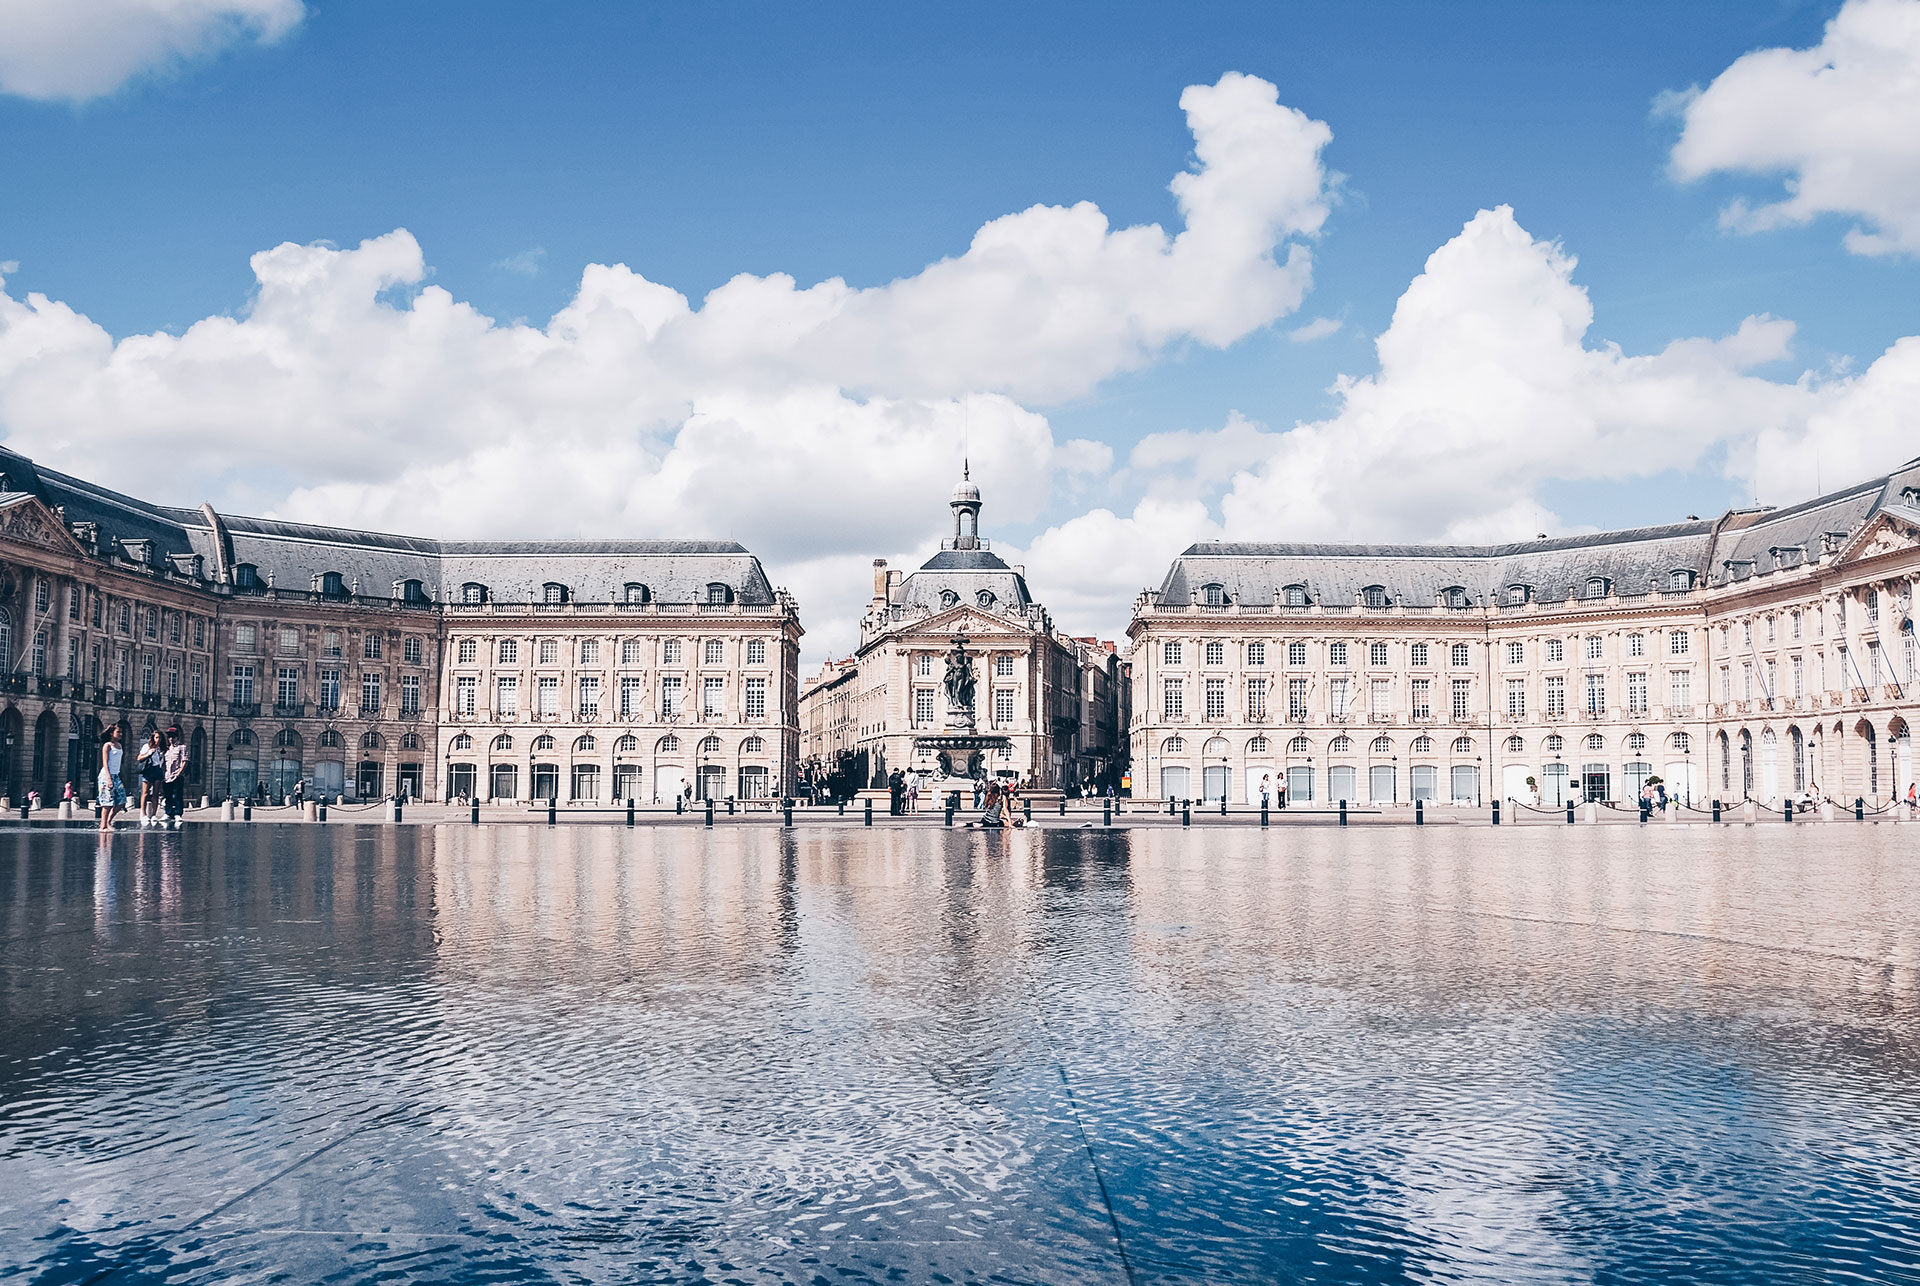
x=1840 y=122
x=524 y=263
x=816 y=425
x=1318 y=328
x=81 y=49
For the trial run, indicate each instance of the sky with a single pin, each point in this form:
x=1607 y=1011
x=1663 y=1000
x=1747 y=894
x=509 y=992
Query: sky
x=1386 y=272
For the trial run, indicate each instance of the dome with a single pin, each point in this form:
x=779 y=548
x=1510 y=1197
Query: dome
x=965 y=492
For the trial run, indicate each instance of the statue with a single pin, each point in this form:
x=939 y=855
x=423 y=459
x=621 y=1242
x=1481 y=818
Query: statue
x=960 y=680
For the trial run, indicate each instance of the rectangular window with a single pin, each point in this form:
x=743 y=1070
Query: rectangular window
x=173 y=627
x=410 y=651
x=1793 y=625
x=1679 y=692
x=549 y=652
x=173 y=678
x=73 y=602
x=506 y=694
x=508 y=652
x=589 y=651
x=1002 y=707
x=289 y=641
x=757 y=652
x=670 y=652
x=42 y=594
x=199 y=678
x=96 y=601
x=1637 y=693
x=670 y=694
x=1726 y=685
x=589 y=696
x=152 y=622
x=1170 y=652
x=1516 y=653
x=630 y=652
x=1256 y=654
x=1296 y=654
x=713 y=697
x=286 y=688
x=1376 y=654
x=716 y=652
x=1636 y=645
x=1336 y=654
x=1517 y=698
x=370 y=693
x=923 y=707
x=40 y=653
x=1556 y=650
x=1873 y=664
x=329 y=689
x=1256 y=698
x=1379 y=697
x=121 y=677
x=1003 y=667
x=409 y=694
x=1556 y=696
x=631 y=687
x=370 y=647
x=1216 y=698
x=1593 y=647
x=146 y=675
x=73 y=658
x=1678 y=642
x=1462 y=699
x=330 y=644
x=756 y=699
x=1216 y=652
x=243 y=638
x=1422 y=697
x=464 y=694
x=1337 y=698
x=1172 y=699
x=1596 y=694
x=1461 y=656
x=1746 y=680
x=1297 y=700
x=547 y=696
x=242 y=684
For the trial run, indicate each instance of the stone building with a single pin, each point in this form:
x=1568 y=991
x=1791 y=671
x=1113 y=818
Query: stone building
x=1763 y=654
x=881 y=707
x=365 y=664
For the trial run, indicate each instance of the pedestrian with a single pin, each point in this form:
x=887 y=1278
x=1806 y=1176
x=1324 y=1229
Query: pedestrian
x=174 y=787
x=1913 y=801
x=1266 y=789
x=66 y=795
x=896 y=793
x=979 y=792
x=1280 y=792
x=299 y=792
x=995 y=811
x=913 y=792
x=152 y=762
x=112 y=792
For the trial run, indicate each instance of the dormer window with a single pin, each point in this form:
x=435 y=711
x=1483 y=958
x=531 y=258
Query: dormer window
x=1679 y=580
x=1216 y=595
x=1596 y=587
x=1518 y=595
x=948 y=598
x=718 y=594
x=473 y=592
x=246 y=576
x=553 y=592
x=412 y=591
x=637 y=593
x=984 y=598
x=1374 y=596
x=1454 y=597
x=1294 y=595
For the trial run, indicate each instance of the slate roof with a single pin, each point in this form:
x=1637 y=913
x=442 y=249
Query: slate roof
x=964 y=573
x=594 y=571
x=1635 y=561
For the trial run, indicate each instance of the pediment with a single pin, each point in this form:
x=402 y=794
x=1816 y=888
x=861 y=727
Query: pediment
x=25 y=520
x=970 y=621
x=1885 y=534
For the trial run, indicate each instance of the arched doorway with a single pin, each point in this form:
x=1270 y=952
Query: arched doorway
x=1797 y=747
x=1872 y=743
x=1746 y=764
x=49 y=755
x=1900 y=742
x=12 y=733
x=243 y=764
x=197 y=761
x=1769 y=765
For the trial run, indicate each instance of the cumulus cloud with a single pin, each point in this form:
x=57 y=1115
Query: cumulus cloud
x=1318 y=328
x=1840 y=122
x=81 y=49
x=814 y=423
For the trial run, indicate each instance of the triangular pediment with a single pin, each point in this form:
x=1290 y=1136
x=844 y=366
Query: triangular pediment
x=970 y=621
x=25 y=520
x=1885 y=533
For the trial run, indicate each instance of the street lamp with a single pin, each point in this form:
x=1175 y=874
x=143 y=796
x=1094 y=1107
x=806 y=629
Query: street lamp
x=1476 y=781
x=1396 y=779
x=1309 y=779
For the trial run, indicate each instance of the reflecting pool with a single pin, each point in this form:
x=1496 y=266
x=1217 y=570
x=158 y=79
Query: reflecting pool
x=581 y=1055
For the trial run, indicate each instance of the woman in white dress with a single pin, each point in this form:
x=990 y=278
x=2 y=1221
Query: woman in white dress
x=112 y=791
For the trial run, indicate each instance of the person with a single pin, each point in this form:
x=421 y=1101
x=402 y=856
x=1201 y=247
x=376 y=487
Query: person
x=67 y=794
x=1266 y=789
x=995 y=808
x=174 y=787
x=979 y=793
x=300 y=792
x=1660 y=797
x=896 y=792
x=1280 y=793
x=113 y=793
x=153 y=772
x=913 y=792
x=1913 y=800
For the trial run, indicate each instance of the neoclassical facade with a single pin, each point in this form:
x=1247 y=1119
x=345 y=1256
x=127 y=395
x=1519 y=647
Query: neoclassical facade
x=364 y=664
x=1049 y=702
x=1759 y=655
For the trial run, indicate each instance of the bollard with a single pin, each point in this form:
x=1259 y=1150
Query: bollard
x=1063 y=805
x=951 y=799
x=843 y=807
x=553 y=810
x=476 y=812
x=1646 y=811
x=226 y=810
x=786 y=806
x=26 y=808
x=730 y=805
x=629 y=810
x=1496 y=812
x=1186 y=813
x=869 y=820
x=1263 y=817
x=679 y=804
x=391 y=811
x=1420 y=813
x=398 y=809
x=1106 y=812
x=323 y=810
x=1169 y=805
x=709 y=814
x=1716 y=810
x=1569 y=812
x=1859 y=808
x=246 y=811
x=310 y=811
x=1026 y=810
x=1786 y=810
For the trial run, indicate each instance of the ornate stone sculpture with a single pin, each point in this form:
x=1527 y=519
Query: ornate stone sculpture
x=959 y=682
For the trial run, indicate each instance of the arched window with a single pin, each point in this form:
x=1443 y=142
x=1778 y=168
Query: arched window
x=1636 y=741
x=553 y=592
x=1174 y=746
x=6 y=641
x=410 y=741
x=1341 y=745
x=1422 y=745
x=1299 y=746
x=1256 y=745
x=1679 y=580
x=1216 y=748
x=627 y=745
x=286 y=738
x=1596 y=742
x=635 y=592
x=1374 y=596
x=473 y=592
x=718 y=593
x=710 y=746
x=1682 y=742
x=1596 y=587
x=241 y=737
x=1463 y=745
x=1455 y=596
x=503 y=742
x=1216 y=595
x=753 y=746
x=462 y=742
x=984 y=598
x=669 y=744
x=1518 y=595
x=372 y=742
x=246 y=576
x=1383 y=745
x=331 y=740
x=543 y=742
x=585 y=744
x=412 y=591
x=1294 y=595
x=1516 y=744
x=333 y=584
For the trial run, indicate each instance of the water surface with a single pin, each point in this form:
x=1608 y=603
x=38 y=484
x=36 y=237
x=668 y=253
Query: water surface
x=512 y=1054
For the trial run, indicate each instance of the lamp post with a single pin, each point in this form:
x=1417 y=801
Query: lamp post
x=1396 y=779
x=1309 y=779
x=1477 y=790
x=1560 y=778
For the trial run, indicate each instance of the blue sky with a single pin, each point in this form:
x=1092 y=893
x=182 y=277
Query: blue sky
x=518 y=144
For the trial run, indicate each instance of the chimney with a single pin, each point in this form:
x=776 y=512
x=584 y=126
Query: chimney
x=879 y=581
